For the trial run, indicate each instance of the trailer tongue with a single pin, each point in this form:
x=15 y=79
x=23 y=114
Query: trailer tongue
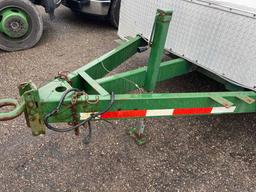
x=85 y=95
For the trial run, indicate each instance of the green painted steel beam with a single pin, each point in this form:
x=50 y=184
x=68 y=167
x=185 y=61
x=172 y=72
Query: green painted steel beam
x=132 y=80
x=93 y=84
x=149 y=102
x=98 y=68
x=160 y=32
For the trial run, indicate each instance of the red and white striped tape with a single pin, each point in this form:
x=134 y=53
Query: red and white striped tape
x=122 y=114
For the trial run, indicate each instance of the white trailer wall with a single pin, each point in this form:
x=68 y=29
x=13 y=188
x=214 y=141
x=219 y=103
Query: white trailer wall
x=217 y=35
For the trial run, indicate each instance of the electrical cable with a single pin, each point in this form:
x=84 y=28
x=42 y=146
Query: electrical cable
x=67 y=129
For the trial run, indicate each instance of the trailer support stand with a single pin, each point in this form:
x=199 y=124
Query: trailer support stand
x=160 y=32
x=137 y=133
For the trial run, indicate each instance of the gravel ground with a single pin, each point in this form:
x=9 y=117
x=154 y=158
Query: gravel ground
x=184 y=154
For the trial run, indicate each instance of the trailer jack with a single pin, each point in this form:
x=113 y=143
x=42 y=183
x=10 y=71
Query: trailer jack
x=86 y=95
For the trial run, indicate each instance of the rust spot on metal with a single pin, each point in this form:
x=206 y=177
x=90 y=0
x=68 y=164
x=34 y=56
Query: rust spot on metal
x=124 y=99
x=64 y=75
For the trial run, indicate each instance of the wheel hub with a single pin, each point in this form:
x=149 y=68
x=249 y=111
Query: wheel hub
x=13 y=23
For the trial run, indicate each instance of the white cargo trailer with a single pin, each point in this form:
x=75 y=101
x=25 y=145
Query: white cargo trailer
x=217 y=35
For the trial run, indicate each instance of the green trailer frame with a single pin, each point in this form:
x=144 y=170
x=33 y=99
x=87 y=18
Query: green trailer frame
x=86 y=94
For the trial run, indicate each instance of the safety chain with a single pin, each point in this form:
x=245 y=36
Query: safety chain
x=74 y=111
x=82 y=93
x=74 y=100
x=76 y=95
x=76 y=124
x=64 y=75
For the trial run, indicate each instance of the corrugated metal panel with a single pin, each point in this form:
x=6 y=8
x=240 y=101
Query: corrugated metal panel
x=218 y=36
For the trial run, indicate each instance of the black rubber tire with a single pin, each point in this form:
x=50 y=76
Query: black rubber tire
x=36 y=26
x=114 y=13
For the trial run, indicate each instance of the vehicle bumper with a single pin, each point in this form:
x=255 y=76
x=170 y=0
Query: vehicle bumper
x=95 y=7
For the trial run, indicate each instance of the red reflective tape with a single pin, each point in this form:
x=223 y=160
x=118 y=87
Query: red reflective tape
x=142 y=113
x=191 y=111
x=124 y=114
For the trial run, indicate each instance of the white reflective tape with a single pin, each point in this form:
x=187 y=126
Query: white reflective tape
x=216 y=110
x=84 y=116
x=156 y=113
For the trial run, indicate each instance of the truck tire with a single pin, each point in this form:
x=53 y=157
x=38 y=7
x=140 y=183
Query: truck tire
x=21 y=25
x=114 y=13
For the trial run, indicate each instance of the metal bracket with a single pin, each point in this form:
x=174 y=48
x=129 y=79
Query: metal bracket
x=223 y=102
x=32 y=112
x=246 y=99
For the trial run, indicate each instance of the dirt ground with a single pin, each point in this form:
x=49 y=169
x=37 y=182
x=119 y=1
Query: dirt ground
x=184 y=154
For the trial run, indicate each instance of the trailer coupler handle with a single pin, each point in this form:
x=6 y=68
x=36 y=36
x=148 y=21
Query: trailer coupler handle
x=19 y=107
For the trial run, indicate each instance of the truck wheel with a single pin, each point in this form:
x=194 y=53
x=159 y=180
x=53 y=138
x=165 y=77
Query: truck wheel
x=21 y=25
x=114 y=13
